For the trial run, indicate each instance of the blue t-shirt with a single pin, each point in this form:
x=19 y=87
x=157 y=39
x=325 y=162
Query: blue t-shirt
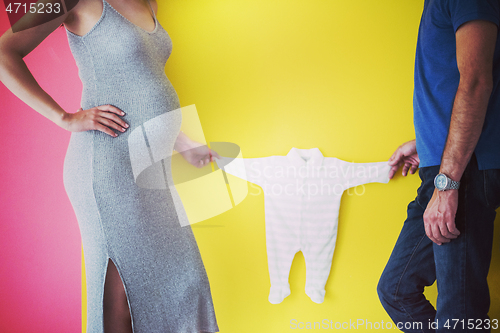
x=437 y=78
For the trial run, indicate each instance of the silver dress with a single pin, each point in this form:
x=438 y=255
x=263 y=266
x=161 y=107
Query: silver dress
x=137 y=228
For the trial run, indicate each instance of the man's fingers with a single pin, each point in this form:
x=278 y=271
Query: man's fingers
x=396 y=157
x=428 y=232
x=413 y=168
x=413 y=159
x=393 y=171
x=445 y=233
x=437 y=236
x=406 y=167
x=441 y=233
x=453 y=229
x=432 y=231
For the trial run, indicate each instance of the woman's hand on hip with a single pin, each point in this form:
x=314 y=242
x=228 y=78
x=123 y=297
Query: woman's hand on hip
x=104 y=118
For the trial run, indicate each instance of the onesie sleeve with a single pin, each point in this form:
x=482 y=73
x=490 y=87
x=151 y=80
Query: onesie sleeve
x=249 y=169
x=355 y=174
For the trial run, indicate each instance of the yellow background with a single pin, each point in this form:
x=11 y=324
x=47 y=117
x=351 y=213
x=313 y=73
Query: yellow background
x=270 y=75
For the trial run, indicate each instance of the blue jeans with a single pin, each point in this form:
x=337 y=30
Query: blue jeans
x=460 y=266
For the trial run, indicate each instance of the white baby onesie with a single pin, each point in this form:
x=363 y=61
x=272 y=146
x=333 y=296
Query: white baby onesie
x=302 y=193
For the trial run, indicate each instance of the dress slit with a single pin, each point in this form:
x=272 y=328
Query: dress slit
x=113 y=276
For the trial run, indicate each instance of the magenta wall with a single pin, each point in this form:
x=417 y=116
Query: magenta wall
x=40 y=249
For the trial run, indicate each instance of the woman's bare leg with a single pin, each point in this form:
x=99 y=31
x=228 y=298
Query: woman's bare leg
x=116 y=311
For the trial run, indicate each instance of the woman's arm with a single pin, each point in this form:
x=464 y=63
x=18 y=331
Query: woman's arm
x=14 y=73
x=194 y=152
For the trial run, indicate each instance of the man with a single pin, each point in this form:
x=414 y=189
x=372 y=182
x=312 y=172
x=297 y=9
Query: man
x=448 y=233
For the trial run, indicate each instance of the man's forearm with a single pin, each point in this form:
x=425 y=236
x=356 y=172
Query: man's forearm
x=466 y=124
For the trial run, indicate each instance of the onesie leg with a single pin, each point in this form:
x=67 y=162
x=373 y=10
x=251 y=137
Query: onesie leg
x=282 y=245
x=318 y=254
x=279 y=271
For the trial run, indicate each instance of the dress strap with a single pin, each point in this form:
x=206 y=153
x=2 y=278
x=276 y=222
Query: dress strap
x=154 y=15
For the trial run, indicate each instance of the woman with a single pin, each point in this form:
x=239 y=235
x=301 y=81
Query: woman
x=144 y=271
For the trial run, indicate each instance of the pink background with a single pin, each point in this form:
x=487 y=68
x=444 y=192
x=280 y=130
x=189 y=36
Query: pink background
x=40 y=249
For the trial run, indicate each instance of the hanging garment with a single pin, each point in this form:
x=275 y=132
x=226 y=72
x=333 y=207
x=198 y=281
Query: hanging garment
x=302 y=193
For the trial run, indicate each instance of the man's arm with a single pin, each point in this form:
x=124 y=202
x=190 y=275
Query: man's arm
x=475 y=43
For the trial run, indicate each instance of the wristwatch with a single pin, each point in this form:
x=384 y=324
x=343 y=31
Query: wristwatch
x=443 y=183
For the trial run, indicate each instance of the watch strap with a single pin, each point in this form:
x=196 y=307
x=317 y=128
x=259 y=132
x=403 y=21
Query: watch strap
x=453 y=185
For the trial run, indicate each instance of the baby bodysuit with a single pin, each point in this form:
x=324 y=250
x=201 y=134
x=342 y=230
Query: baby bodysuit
x=302 y=193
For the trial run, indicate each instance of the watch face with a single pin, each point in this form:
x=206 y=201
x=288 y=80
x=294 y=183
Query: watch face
x=441 y=181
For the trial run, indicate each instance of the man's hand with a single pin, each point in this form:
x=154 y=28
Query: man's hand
x=405 y=155
x=439 y=217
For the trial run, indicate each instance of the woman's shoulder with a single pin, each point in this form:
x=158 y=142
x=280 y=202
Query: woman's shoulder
x=154 y=4
x=83 y=15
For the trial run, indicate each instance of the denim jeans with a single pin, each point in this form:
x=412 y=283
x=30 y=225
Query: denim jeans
x=460 y=266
